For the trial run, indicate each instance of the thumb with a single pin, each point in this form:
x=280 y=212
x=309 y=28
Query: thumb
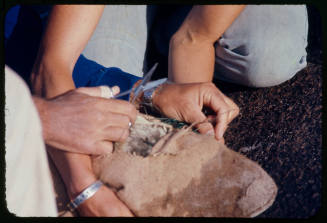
x=99 y=91
x=102 y=148
x=195 y=115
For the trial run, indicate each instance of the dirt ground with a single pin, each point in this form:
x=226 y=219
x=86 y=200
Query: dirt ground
x=280 y=128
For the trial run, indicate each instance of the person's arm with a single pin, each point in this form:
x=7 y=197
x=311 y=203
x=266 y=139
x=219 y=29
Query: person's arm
x=68 y=30
x=191 y=67
x=80 y=121
x=192 y=52
x=186 y=101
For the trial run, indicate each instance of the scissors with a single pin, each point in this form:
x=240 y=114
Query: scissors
x=139 y=89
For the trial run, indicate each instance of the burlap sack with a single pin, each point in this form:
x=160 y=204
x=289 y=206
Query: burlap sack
x=183 y=174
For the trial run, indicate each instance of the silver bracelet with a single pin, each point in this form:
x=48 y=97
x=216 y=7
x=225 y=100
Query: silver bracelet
x=149 y=90
x=84 y=195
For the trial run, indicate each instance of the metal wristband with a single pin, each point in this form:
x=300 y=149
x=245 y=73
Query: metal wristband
x=84 y=195
x=148 y=93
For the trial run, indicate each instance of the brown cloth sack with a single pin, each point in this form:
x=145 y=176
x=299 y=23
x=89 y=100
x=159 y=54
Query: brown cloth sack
x=183 y=174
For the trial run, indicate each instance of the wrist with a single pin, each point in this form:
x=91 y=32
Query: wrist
x=51 y=78
x=76 y=172
x=148 y=94
x=157 y=100
x=84 y=195
x=42 y=108
x=75 y=187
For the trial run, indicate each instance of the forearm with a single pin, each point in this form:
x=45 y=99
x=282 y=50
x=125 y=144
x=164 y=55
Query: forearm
x=51 y=78
x=69 y=28
x=190 y=62
x=192 y=52
x=68 y=31
x=75 y=168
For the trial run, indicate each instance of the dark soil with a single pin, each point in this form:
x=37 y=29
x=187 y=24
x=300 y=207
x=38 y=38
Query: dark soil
x=280 y=128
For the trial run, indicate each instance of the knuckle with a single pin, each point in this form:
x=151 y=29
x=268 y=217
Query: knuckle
x=132 y=112
x=120 y=134
x=237 y=110
x=122 y=121
x=190 y=113
x=186 y=104
x=125 y=120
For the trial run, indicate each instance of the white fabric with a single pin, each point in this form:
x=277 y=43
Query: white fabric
x=29 y=187
x=106 y=92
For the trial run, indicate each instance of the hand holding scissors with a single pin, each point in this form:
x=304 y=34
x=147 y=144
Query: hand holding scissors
x=139 y=89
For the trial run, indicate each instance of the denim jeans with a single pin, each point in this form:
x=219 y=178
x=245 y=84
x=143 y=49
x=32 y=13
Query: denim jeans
x=88 y=73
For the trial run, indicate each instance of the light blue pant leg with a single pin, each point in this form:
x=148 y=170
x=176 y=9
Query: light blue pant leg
x=120 y=38
x=265 y=46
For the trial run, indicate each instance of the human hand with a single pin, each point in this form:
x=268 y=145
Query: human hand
x=83 y=122
x=186 y=101
x=77 y=174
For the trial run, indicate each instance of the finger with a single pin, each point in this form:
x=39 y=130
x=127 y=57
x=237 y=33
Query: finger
x=103 y=147
x=205 y=128
x=116 y=120
x=233 y=113
x=101 y=91
x=215 y=102
x=192 y=113
x=226 y=111
x=232 y=108
x=222 y=121
x=222 y=140
x=112 y=105
x=115 y=134
x=122 y=107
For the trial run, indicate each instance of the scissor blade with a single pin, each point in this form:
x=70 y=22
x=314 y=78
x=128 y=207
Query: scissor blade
x=145 y=79
x=123 y=93
x=148 y=75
